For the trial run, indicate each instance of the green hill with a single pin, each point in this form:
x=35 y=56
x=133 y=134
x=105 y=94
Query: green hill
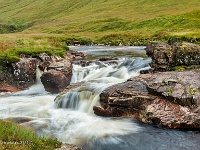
x=102 y=19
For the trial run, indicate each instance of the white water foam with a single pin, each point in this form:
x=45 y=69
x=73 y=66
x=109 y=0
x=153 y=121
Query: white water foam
x=37 y=88
x=73 y=126
x=98 y=78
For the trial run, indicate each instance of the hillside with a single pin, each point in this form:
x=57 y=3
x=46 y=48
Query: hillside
x=102 y=18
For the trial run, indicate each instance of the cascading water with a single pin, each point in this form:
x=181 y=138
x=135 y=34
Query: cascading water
x=73 y=122
x=97 y=78
x=36 y=88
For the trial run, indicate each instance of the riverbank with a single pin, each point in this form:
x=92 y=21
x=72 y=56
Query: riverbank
x=15 y=137
x=162 y=96
x=69 y=117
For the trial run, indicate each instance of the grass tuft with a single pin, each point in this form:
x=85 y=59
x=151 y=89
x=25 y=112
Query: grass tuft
x=15 y=137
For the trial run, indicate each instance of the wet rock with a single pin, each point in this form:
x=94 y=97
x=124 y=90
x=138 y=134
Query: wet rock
x=84 y=63
x=72 y=103
x=63 y=65
x=69 y=147
x=58 y=75
x=165 y=56
x=144 y=98
x=108 y=58
x=55 y=81
x=9 y=88
x=18 y=76
x=75 y=55
x=19 y=119
x=181 y=87
x=24 y=72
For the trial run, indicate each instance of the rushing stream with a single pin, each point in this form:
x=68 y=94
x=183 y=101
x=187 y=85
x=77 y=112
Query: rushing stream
x=70 y=119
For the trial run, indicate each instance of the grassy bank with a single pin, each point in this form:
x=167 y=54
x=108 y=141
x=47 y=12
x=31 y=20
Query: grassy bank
x=11 y=49
x=14 y=137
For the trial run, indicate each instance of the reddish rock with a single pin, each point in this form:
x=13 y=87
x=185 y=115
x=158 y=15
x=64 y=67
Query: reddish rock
x=58 y=76
x=9 y=88
x=133 y=99
x=181 y=87
x=55 y=81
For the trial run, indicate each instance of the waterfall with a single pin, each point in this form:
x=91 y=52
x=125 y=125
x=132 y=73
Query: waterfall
x=37 y=88
x=74 y=122
x=98 y=77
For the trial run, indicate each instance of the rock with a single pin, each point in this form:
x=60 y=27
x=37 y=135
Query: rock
x=165 y=56
x=18 y=120
x=134 y=98
x=161 y=54
x=9 y=88
x=84 y=63
x=108 y=58
x=181 y=87
x=58 y=75
x=2 y=75
x=75 y=55
x=69 y=147
x=19 y=76
x=55 y=81
x=186 y=54
x=24 y=72
x=63 y=65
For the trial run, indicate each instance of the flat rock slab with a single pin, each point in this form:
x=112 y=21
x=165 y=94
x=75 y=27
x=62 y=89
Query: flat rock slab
x=181 y=87
x=146 y=99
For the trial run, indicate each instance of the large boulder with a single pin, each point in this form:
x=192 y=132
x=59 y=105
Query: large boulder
x=19 y=76
x=24 y=72
x=138 y=99
x=58 y=76
x=55 y=81
x=165 y=56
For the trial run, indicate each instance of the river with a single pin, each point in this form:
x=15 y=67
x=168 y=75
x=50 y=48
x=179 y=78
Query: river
x=71 y=120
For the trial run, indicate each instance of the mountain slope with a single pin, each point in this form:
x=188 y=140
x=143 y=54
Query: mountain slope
x=97 y=18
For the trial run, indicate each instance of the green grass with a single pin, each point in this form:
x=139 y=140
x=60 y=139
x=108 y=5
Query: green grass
x=97 y=19
x=10 y=51
x=14 y=137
